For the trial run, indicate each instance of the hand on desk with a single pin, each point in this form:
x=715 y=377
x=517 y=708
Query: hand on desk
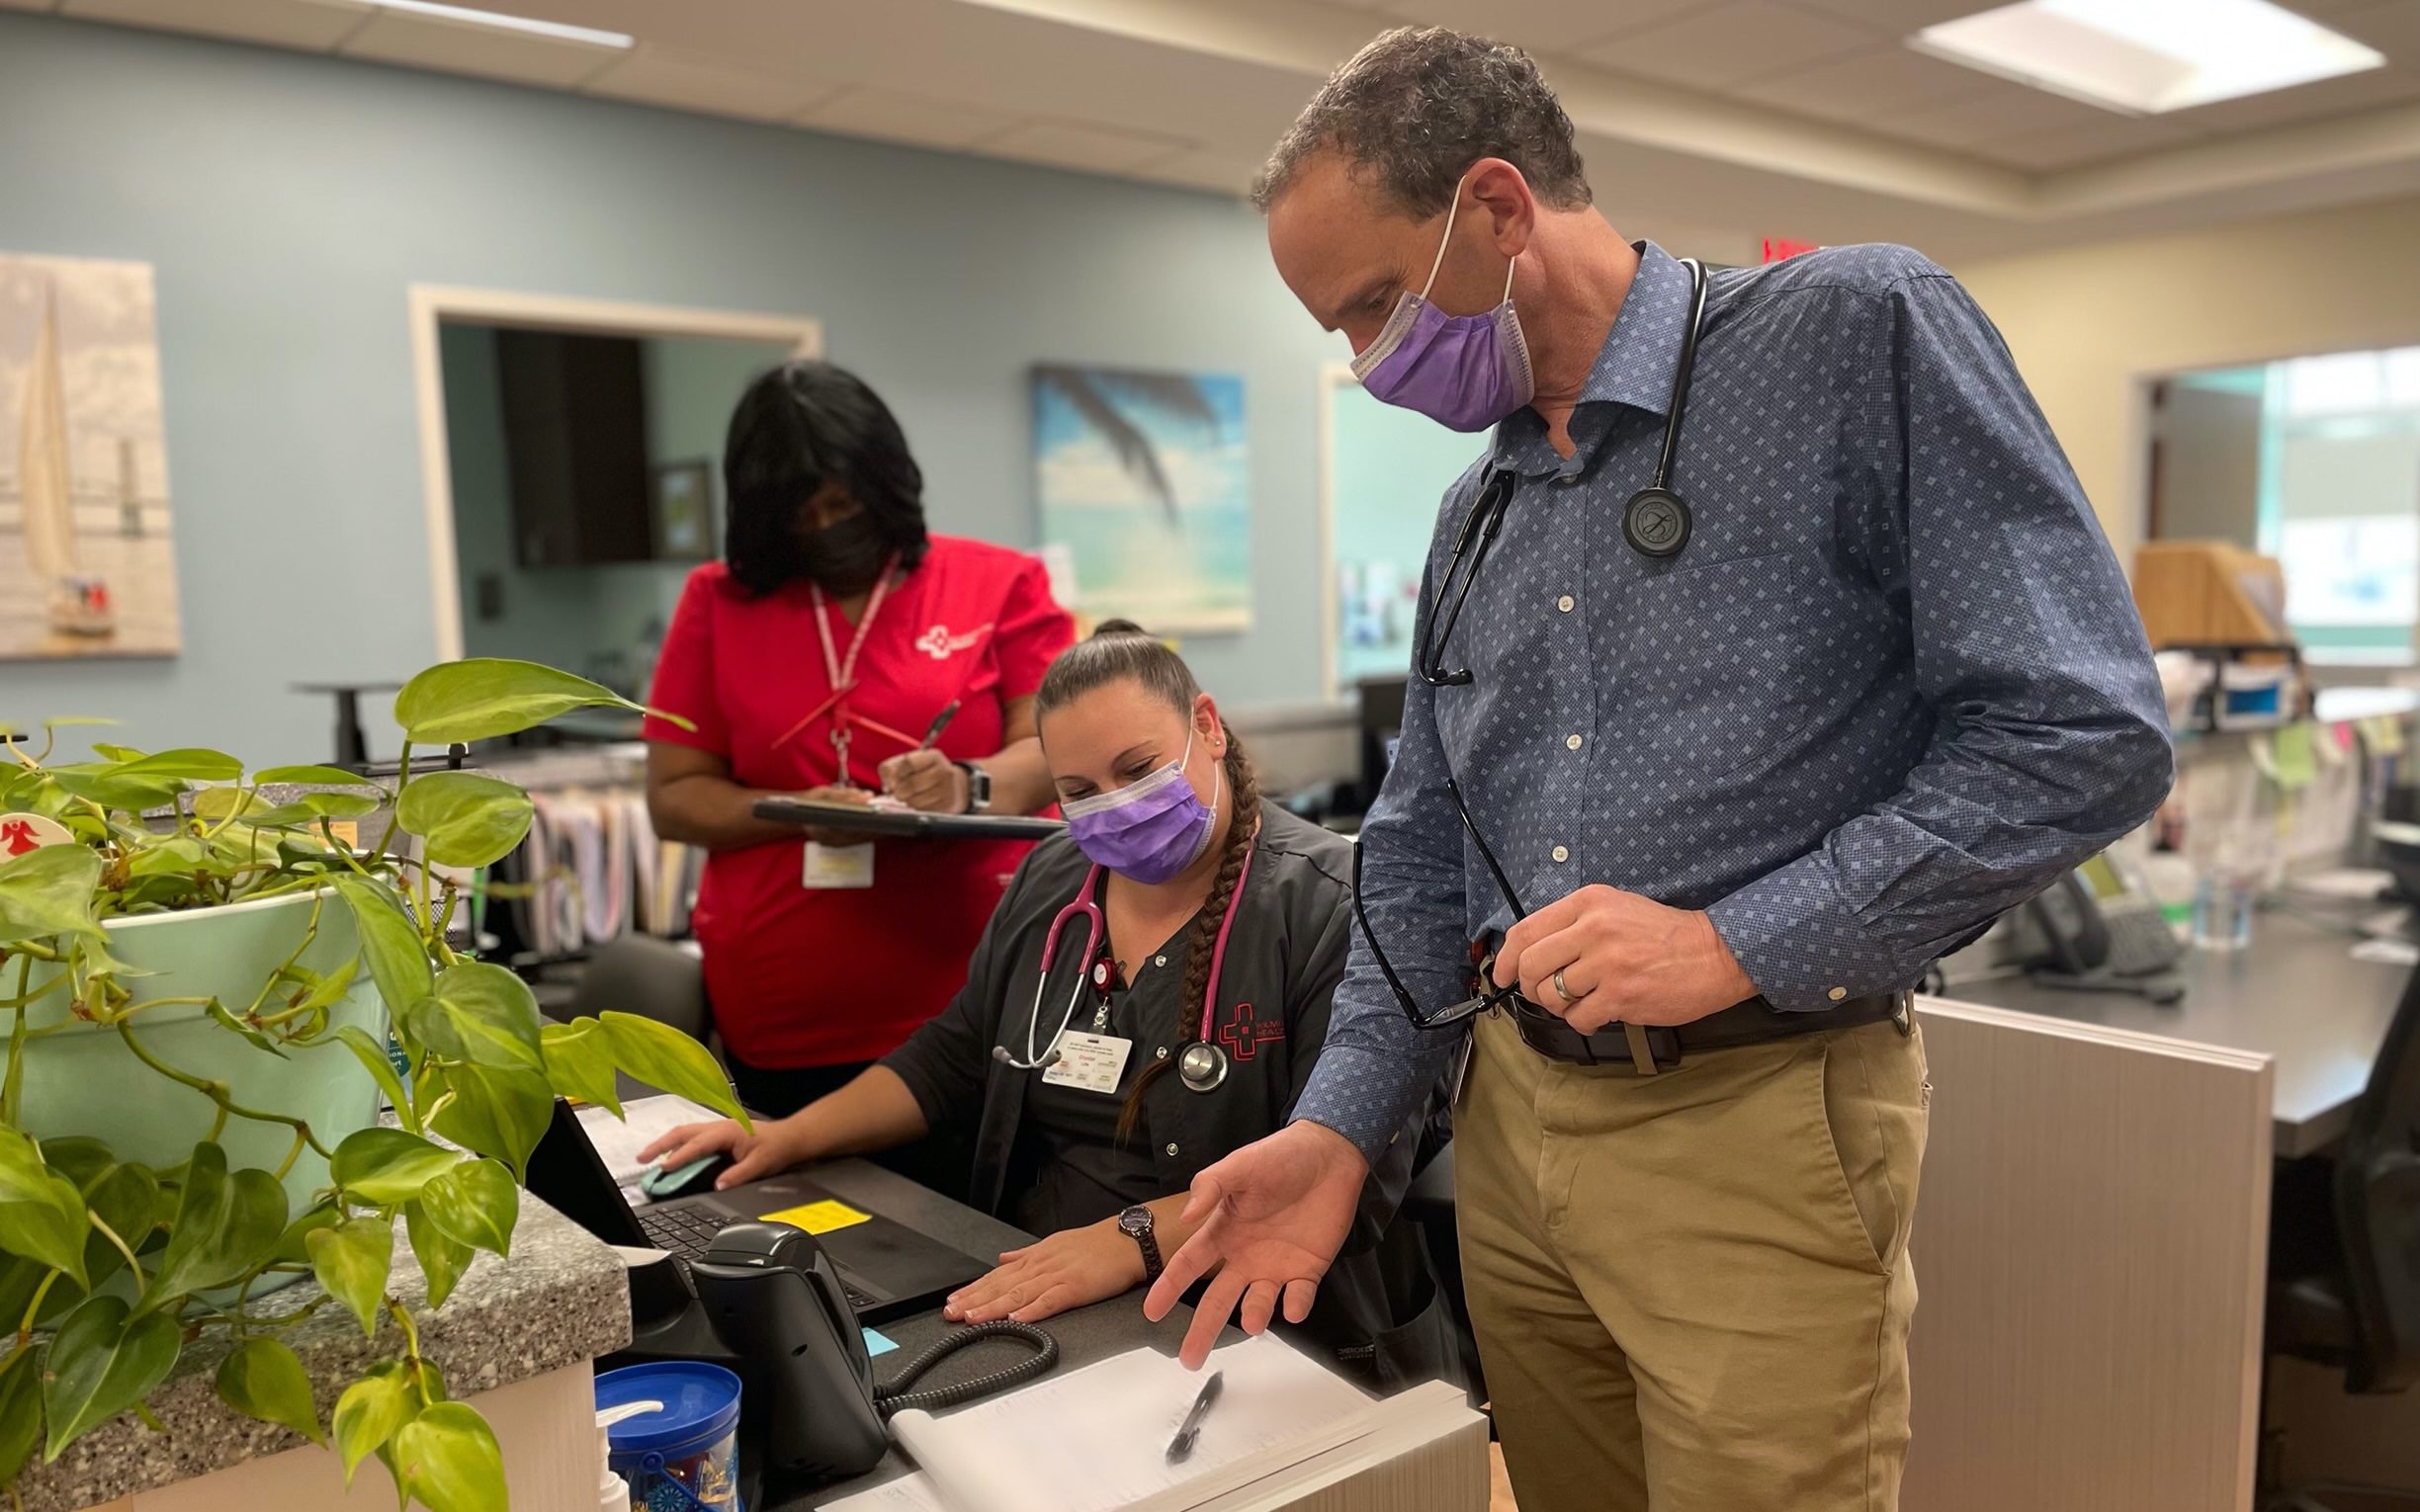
x=776 y=1145
x=1068 y=1269
x=926 y=780
x=1624 y=958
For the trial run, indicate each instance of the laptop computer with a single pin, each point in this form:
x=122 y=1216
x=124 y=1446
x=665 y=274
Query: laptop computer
x=888 y=1269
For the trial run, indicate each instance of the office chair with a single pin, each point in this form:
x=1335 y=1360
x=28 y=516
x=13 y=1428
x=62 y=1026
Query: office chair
x=2343 y=1288
x=642 y=974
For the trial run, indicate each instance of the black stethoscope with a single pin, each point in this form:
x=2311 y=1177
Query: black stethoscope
x=1200 y=1066
x=1655 y=520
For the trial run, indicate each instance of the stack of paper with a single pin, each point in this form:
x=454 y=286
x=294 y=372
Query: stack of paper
x=619 y=1141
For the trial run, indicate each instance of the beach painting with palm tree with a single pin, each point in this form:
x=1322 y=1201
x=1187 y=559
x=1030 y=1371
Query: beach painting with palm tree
x=1145 y=485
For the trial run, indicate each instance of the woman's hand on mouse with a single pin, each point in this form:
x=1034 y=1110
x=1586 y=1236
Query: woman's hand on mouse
x=1072 y=1267
x=775 y=1146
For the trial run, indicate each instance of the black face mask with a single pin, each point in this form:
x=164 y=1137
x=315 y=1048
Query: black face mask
x=844 y=557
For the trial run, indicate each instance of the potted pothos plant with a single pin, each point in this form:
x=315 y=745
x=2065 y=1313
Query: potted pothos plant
x=207 y=978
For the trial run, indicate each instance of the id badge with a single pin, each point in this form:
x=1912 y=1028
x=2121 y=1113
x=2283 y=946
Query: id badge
x=838 y=867
x=1090 y=1062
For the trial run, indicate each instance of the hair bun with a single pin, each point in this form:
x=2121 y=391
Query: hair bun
x=1117 y=628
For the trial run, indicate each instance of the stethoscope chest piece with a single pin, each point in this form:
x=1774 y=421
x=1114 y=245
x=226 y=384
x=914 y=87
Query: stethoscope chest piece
x=1656 y=522
x=1202 y=1067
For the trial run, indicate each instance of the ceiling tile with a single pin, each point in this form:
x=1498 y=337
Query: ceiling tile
x=2308 y=101
x=653 y=76
x=2087 y=143
x=312 y=25
x=2390 y=26
x=1892 y=78
x=1545 y=26
x=1079 y=144
x=1901 y=17
x=461 y=47
x=896 y=117
x=1727 y=44
x=1993 y=109
x=27 y=5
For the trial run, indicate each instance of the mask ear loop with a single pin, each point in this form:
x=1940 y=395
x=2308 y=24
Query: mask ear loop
x=1446 y=240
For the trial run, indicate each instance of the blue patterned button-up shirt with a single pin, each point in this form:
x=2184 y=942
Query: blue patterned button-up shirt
x=1894 y=684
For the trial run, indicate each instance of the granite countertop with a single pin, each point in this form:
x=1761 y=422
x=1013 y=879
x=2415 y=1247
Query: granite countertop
x=560 y=1298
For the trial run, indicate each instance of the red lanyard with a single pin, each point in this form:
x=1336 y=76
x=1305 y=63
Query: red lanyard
x=843 y=670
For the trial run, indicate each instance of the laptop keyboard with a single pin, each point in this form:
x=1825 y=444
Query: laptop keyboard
x=688 y=1231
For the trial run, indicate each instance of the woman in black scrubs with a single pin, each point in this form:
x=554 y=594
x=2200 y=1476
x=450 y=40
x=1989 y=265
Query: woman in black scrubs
x=1180 y=1029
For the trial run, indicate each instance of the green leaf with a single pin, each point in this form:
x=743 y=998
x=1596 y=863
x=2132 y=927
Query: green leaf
x=481 y=1013
x=390 y=941
x=180 y=857
x=579 y=1063
x=49 y=892
x=333 y=776
x=351 y=1261
x=293 y=1245
x=442 y=1258
x=477 y=1201
x=191 y=763
x=464 y=819
x=100 y=783
x=263 y=1377
x=334 y=986
x=42 y=1213
x=225 y=1224
x=127 y=1198
x=449 y=1460
x=224 y=1018
x=109 y=752
x=73 y=721
x=368 y=1414
x=102 y=1362
x=481 y=697
x=20 y=1411
x=384 y=1166
x=372 y=1056
x=218 y=803
x=496 y=1111
x=665 y=1058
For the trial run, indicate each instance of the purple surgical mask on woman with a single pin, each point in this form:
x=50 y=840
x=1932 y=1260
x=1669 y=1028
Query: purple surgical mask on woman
x=1464 y=372
x=1150 y=830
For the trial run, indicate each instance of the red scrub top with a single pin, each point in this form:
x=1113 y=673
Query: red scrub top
x=804 y=977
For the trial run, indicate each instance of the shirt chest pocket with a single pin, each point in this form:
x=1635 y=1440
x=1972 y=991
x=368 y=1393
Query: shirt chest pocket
x=1720 y=661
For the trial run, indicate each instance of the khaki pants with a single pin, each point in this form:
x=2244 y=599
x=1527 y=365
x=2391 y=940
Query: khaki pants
x=1691 y=1290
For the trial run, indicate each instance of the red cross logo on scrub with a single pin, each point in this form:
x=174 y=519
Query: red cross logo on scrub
x=939 y=645
x=1244 y=1033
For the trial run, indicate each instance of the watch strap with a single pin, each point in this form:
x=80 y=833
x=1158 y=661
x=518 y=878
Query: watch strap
x=978 y=787
x=1147 y=1240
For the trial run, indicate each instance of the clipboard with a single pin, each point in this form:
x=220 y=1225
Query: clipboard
x=909 y=825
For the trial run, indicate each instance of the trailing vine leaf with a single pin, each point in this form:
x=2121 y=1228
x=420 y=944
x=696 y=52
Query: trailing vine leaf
x=391 y=942
x=368 y=1414
x=482 y=697
x=448 y=1458
x=127 y=1197
x=21 y=1410
x=665 y=1058
x=263 y=1377
x=481 y=1013
x=49 y=892
x=101 y=1362
x=464 y=819
x=189 y=762
x=293 y=1245
x=352 y=1261
x=224 y=1018
x=220 y=804
x=497 y=1112
x=225 y=1224
x=384 y=1166
x=102 y=784
x=478 y=1202
x=42 y=1213
x=442 y=1258
x=312 y=776
x=372 y=1056
x=579 y=1063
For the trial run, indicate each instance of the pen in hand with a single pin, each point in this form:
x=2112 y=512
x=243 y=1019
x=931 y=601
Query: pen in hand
x=1182 y=1445
x=933 y=738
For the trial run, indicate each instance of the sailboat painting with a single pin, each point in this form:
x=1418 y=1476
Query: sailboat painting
x=87 y=567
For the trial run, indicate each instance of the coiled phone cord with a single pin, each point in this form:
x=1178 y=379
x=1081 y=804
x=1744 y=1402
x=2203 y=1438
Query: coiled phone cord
x=894 y=1395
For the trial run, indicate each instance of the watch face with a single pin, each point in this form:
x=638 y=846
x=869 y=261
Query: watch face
x=1136 y=1221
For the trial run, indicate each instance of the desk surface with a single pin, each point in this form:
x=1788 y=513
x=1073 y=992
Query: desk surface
x=1084 y=1335
x=2297 y=996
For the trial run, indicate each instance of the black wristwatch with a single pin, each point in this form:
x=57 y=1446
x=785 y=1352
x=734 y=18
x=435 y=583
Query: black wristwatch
x=978 y=787
x=1136 y=1224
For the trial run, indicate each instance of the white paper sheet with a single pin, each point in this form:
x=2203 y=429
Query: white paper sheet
x=618 y=1141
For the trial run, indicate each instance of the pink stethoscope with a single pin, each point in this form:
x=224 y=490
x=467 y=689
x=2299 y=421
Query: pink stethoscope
x=1202 y=1066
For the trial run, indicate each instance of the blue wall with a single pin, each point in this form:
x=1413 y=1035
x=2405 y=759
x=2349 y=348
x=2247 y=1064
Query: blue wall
x=289 y=201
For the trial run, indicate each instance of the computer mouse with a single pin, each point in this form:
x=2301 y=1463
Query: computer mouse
x=661 y=1185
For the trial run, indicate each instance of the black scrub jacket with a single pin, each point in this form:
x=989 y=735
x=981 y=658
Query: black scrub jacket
x=1378 y=1312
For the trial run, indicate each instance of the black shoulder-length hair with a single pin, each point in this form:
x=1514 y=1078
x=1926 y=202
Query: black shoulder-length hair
x=798 y=427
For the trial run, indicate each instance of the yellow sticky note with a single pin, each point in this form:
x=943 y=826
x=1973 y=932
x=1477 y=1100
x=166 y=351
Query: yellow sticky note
x=817 y=1218
x=2385 y=733
x=346 y=831
x=2297 y=762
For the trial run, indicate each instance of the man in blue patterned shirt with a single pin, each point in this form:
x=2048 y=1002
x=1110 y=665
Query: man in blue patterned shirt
x=1891 y=683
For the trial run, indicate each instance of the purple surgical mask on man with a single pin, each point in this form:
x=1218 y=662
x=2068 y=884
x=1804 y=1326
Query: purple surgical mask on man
x=1464 y=372
x=1150 y=830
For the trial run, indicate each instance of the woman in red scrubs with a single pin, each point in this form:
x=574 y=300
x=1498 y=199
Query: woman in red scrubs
x=814 y=659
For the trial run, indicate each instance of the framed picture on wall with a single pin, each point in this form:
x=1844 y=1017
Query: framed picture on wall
x=1145 y=481
x=682 y=510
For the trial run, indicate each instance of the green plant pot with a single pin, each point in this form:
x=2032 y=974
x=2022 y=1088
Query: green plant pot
x=84 y=1080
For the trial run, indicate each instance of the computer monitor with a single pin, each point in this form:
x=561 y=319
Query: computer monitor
x=1382 y=705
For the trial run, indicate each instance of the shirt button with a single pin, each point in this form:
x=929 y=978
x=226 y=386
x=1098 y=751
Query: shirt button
x=1561 y=852
x=1171 y=1149
x=1163 y=1053
x=1837 y=994
x=1565 y=603
x=1566 y=479
x=1571 y=742
x=1159 y=961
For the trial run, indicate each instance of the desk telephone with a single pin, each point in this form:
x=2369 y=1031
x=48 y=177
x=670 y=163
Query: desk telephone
x=2100 y=929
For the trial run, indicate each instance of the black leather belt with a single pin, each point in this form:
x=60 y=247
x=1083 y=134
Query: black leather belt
x=1646 y=1050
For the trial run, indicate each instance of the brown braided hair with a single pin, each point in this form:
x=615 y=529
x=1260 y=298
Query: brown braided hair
x=1121 y=650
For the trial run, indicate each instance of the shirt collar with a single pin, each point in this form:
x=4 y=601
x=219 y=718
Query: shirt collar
x=1635 y=368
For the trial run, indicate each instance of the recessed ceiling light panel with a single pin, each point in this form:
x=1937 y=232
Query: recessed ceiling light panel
x=2142 y=57
x=559 y=31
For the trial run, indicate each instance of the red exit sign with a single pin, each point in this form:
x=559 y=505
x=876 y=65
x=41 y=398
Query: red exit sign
x=1778 y=250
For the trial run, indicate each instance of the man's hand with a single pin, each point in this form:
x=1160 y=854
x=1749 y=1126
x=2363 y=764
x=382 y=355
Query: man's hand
x=926 y=780
x=1272 y=1217
x=1624 y=958
x=1068 y=1269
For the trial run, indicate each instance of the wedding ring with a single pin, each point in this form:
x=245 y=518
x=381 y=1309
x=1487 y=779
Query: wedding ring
x=1563 y=989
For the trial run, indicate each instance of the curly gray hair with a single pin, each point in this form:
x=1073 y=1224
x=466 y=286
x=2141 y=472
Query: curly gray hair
x=1418 y=106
